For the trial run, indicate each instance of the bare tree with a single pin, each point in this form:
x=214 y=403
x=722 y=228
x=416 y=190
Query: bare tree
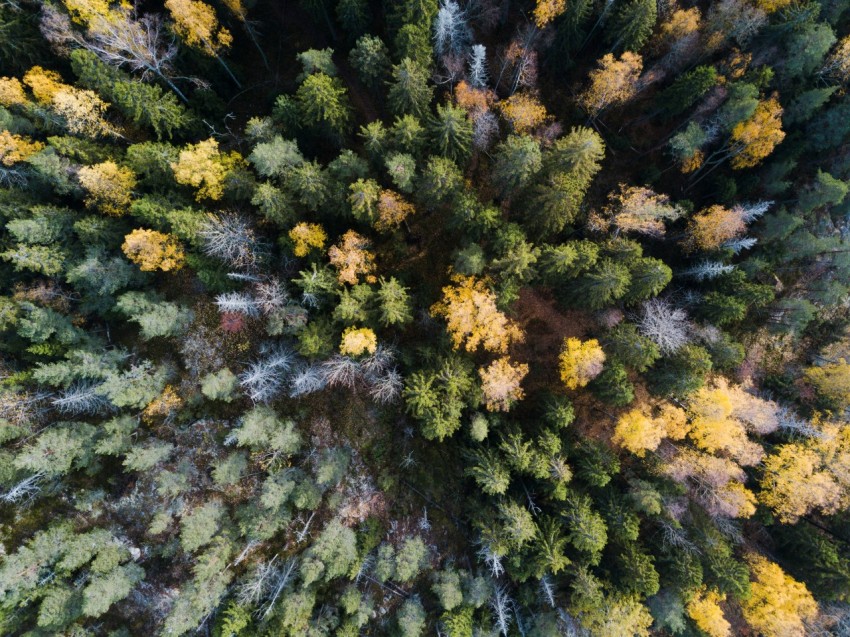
x=739 y=245
x=81 y=398
x=231 y=238
x=665 y=325
x=307 y=380
x=501 y=604
x=387 y=388
x=237 y=302
x=263 y=379
x=451 y=33
x=478 y=66
x=707 y=270
x=26 y=489
x=270 y=295
x=341 y=371
x=141 y=45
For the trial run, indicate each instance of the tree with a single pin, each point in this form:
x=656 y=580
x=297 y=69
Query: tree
x=109 y=186
x=370 y=58
x=393 y=210
x=831 y=382
x=322 y=101
x=704 y=609
x=473 y=318
x=547 y=10
x=354 y=15
x=205 y=168
x=411 y=556
x=500 y=383
x=632 y=25
x=451 y=132
x=307 y=237
x=754 y=139
x=626 y=344
x=220 y=385
x=580 y=362
x=714 y=226
x=155 y=318
x=409 y=91
x=637 y=209
x=331 y=555
x=523 y=112
x=352 y=259
x=606 y=282
x=638 y=433
x=152 y=250
x=518 y=158
x=687 y=89
x=358 y=341
x=614 y=82
x=411 y=618
x=195 y=22
x=778 y=605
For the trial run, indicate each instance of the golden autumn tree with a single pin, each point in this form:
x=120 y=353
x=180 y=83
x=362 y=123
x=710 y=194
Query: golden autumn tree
x=204 y=167
x=306 y=237
x=109 y=186
x=473 y=318
x=642 y=210
x=778 y=604
x=638 y=432
x=716 y=482
x=196 y=23
x=152 y=250
x=352 y=258
x=837 y=64
x=755 y=138
x=712 y=227
x=17 y=148
x=548 y=10
x=523 y=112
x=501 y=383
x=82 y=110
x=580 y=362
x=393 y=209
x=614 y=82
x=357 y=341
x=12 y=92
x=704 y=609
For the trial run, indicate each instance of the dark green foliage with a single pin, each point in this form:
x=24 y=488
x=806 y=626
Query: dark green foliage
x=632 y=25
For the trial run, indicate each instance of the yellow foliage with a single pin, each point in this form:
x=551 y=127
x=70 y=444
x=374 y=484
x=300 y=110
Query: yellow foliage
x=204 y=167
x=794 y=482
x=837 y=64
x=83 y=112
x=779 y=604
x=196 y=23
x=236 y=8
x=473 y=318
x=500 y=383
x=393 y=209
x=713 y=427
x=357 y=341
x=769 y=6
x=108 y=185
x=548 y=10
x=755 y=138
x=306 y=237
x=638 y=433
x=832 y=381
x=12 y=92
x=44 y=84
x=352 y=258
x=713 y=226
x=152 y=250
x=16 y=148
x=523 y=112
x=580 y=362
x=682 y=22
x=704 y=609
x=614 y=82
x=692 y=163
x=84 y=11
x=163 y=405
x=674 y=420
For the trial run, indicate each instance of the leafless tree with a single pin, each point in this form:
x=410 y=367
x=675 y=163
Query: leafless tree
x=341 y=371
x=306 y=380
x=739 y=245
x=665 y=325
x=81 y=398
x=140 y=45
x=492 y=560
x=548 y=590
x=451 y=33
x=270 y=295
x=707 y=270
x=264 y=378
x=26 y=489
x=485 y=130
x=231 y=238
x=238 y=302
x=387 y=387
x=501 y=604
x=478 y=66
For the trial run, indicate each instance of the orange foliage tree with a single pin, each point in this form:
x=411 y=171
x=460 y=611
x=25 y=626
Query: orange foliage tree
x=152 y=250
x=712 y=227
x=352 y=258
x=473 y=318
x=755 y=138
x=393 y=209
x=548 y=10
x=614 y=82
x=523 y=112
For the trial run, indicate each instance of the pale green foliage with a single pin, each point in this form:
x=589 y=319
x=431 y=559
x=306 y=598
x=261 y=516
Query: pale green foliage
x=147 y=456
x=220 y=385
x=156 y=318
x=59 y=449
x=447 y=589
x=198 y=527
x=135 y=387
x=263 y=429
x=331 y=555
x=411 y=557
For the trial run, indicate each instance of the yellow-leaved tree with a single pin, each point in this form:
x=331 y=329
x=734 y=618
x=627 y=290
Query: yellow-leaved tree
x=755 y=138
x=580 y=362
x=152 y=250
x=352 y=258
x=712 y=227
x=109 y=186
x=17 y=148
x=523 y=112
x=500 y=383
x=204 y=167
x=473 y=318
x=704 y=609
x=306 y=237
x=832 y=382
x=12 y=92
x=393 y=209
x=548 y=10
x=357 y=341
x=614 y=82
x=809 y=474
x=637 y=432
x=778 y=604
x=196 y=23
